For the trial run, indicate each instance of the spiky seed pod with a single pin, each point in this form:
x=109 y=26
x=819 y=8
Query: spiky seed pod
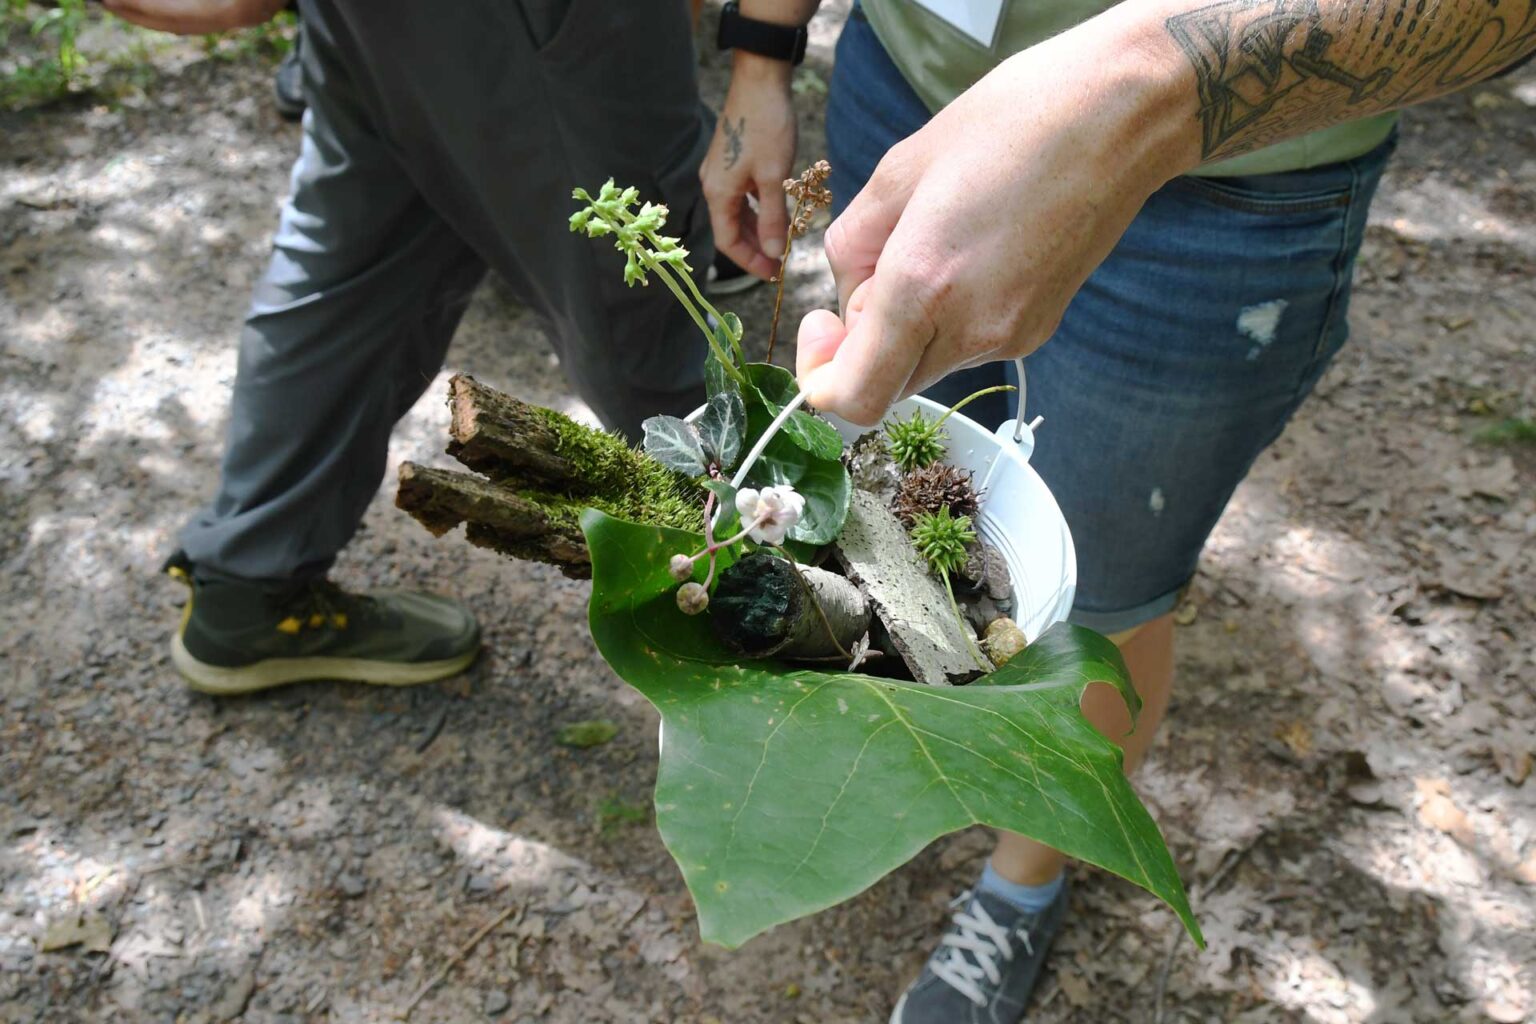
x=941 y=539
x=933 y=487
x=915 y=442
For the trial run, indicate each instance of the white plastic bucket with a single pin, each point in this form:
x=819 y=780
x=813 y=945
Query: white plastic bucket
x=1019 y=515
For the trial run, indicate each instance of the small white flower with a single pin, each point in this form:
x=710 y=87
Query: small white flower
x=771 y=513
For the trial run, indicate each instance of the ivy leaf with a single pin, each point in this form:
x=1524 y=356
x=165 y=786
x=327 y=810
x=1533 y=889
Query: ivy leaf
x=716 y=380
x=675 y=444
x=782 y=792
x=723 y=427
x=824 y=484
x=776 y=388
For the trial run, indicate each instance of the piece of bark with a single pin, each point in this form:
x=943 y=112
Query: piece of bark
x=877 y=555
x=497 y=435
x=761 y=609
x=544 y=469
x=498 y=518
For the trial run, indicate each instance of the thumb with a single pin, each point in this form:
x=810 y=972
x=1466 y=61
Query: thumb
x=772 y=218
x=857 y=368
x=822 y=333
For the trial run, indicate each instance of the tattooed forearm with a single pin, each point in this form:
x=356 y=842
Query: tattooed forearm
x=1270 y=69
x=733 y=134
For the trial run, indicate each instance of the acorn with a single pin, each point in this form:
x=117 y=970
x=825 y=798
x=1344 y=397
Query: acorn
x=1003 y=641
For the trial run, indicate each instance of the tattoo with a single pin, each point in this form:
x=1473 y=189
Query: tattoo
x=1269 y=69
x=732 y=140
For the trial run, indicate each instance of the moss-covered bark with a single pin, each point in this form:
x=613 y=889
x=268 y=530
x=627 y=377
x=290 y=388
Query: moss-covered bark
x=540 y=469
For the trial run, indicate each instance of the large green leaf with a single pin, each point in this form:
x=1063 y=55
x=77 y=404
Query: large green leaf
x=783 y=792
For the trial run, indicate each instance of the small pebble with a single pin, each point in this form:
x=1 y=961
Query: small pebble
x=496 y=1002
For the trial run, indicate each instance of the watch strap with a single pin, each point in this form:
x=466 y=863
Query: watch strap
x=779 y=42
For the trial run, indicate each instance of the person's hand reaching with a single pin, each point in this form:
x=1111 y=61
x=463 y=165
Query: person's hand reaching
x=751 y=155
x=195 y=17
x=972 y=235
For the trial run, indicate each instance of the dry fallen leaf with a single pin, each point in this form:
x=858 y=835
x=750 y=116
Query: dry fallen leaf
x=1439 y=811
x=1075 y=989
x=1298 y=737
x=90 y=931
x=1515 y=764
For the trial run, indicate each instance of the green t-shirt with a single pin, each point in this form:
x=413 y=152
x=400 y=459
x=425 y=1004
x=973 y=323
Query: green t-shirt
x=941 y=62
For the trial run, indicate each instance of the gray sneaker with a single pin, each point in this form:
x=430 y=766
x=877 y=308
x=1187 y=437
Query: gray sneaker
x=240 y=636
x=986 y=966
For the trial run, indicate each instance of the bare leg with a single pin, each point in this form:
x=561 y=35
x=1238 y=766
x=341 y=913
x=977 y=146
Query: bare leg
x=1148 y=654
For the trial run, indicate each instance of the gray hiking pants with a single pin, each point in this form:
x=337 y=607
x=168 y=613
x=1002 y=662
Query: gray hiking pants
x=442 y=139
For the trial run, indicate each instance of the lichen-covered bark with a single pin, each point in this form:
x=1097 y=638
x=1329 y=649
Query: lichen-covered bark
x=875 y=552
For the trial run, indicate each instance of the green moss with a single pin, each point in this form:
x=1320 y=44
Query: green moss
x=653 y=497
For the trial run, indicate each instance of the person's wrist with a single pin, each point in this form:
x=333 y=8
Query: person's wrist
x=1136 y=61
x=755 y=69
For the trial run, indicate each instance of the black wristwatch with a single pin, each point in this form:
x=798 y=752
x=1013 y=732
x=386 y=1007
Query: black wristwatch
x=763 y=38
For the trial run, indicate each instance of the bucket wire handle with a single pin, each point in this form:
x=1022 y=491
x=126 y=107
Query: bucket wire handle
x=1018 y=421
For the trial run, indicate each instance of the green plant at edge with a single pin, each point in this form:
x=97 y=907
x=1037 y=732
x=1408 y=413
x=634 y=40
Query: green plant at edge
x=647 y=251
x=615 y=813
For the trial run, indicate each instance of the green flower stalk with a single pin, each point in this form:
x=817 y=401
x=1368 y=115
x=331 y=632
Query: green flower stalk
x=637 y=234
x=942 y=539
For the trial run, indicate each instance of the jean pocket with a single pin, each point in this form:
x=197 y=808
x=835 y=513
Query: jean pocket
x=1269 y=193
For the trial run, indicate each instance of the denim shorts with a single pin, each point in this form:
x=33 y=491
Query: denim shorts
x=1179 y=361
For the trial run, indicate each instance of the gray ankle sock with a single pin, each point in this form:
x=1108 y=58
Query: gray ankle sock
x=1029 y=898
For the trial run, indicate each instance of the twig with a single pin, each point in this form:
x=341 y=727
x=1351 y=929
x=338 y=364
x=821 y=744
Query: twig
x=433 y=730
x=1162 y=977
x=1223 y=872
x=778 y=298
x=453 y=961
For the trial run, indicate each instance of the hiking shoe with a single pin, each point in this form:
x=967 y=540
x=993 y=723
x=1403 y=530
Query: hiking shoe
x=239 y=636
x=724 y=277
x=288 y=84
x=986 y=966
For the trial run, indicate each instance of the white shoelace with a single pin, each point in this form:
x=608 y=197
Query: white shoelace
x=985 y=940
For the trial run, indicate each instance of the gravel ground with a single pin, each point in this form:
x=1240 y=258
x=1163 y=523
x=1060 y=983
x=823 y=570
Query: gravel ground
x=1344 y=779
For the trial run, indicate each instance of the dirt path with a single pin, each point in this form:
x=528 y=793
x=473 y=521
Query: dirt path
x=1344 y=781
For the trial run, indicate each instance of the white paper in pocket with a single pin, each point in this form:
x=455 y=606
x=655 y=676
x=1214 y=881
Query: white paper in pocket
x=976 y=18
